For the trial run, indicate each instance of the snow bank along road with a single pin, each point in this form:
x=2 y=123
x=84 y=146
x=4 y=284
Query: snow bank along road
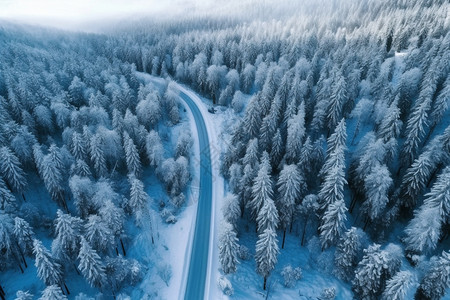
x=199 y=275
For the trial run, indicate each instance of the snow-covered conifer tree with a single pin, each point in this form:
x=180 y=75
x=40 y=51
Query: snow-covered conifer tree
x=267 y=216
x=53 y=292
x=262 y=186
x=78 y=146
x=24 y=235
x=276 y=152
x=228 y=248
x=333 y=223
x=295 y=135
x=48 y=270
x=97 y=155
x=266 y=253
x=436 y=280
x=231 y=209
x=424 y=230
x=11 y=170
x=90 y=265
x=252 y=118
x=377 y=185
x=347 y=251
x=138 y=197
x=291 y=186
x=98 y=234
x=338 y=98
x=397 y=286
x=154 y=148
x=373 y=271
x=251 y=153
x=68 y=231
x=131 y=155
x=7 y=199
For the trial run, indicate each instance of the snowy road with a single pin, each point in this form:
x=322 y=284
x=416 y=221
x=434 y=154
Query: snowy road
x=198 y=266
x=200 y=277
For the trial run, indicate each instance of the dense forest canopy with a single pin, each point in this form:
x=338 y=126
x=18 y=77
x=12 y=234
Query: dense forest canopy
x=343 y=128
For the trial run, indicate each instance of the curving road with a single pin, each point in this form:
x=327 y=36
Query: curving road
x=198 y=266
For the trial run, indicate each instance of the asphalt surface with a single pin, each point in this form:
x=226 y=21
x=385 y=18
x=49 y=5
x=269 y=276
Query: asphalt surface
x=196 y=279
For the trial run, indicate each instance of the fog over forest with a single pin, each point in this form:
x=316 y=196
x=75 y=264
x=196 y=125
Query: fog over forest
x=225 y=149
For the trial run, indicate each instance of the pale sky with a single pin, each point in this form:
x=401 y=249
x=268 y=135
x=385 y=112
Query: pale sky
x=67 y=14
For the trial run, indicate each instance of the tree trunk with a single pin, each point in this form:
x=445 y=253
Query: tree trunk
x=284 y=238
x=304 y=230
x=123 y=248
x=23 y=196
x=68 y=292
x=366 y=222
x=352 y=203
x=265 y=281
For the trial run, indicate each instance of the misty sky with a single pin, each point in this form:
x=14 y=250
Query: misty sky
x=66 y=14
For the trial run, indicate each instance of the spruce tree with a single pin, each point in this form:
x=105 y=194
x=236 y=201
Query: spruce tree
x=333 y=223
x=291 y=186
x=53 y=292
x=11 y=170
x=228 y=248
x=266 y=253
x=91 y=266
x=397 y=286
x=262 y=186
x=347 y=252
x=436 y=280
x=48 y=270
x=131 y=155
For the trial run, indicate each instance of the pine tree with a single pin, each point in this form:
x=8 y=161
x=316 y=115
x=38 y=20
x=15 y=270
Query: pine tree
x=266 y=253
x=377 y=185
x=415 y=130
x=98 y=234
x=372 y=272
x=81 y=169
x=97 y=155
x=291 y=186
x=397 y=286
x=424 y=230
x=24 y=235
x=11 y=170
x=251 y=154
x=138 y=197
x=48 y=270
x=68 y=232
x=333 y=223
x=7 y=199
x=53 y=178
x=391 y=124
x=262 y=186
x=228 y=249
x=78 y=146
x=53 y=292
x=267 y=216
x=337 y=100
x=6 y=235
x=347 y=252
x=131 y=155
x=91 y=266
x=252 y=118
x=276 y=152
x=231 y=209
x=21 y=295
x=154 y=148
x=436 y=280
x=295 y=135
